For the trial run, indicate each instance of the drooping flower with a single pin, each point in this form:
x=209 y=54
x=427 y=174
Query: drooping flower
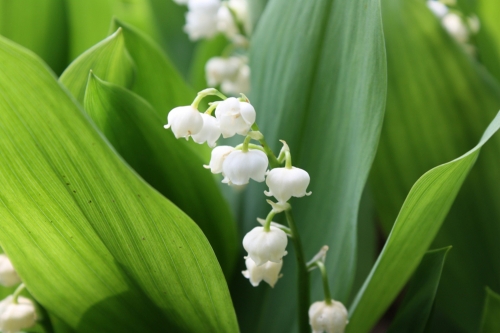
x=455 y=26
x=285 y=183
x=239 y=166
x=218 y=156
x=8 y=274
x=235 y=117
x=16 y=317
x=201 y=19
x=219 y=69
x=437 y=8
x=329 y=318
x=226 y=22
x=210 y=131
x=184 y=121
x=269 y=272
x=240 y=84
x=263 y=246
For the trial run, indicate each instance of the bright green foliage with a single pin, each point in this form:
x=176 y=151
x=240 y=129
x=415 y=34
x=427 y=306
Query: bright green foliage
x=439 y=102
x=89 y=20
x=39 y=25
x=157 y=80
x=108 y=59
x=488 y=39
x=415 y=310
x=419 y=220
x=100 y=248
x=490 y=322
x=302 y=89
x=137 y=133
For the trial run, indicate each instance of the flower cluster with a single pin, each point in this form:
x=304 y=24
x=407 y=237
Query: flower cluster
x=265 y=244
x=207 y=18
x=462 y=28
x=16 y=312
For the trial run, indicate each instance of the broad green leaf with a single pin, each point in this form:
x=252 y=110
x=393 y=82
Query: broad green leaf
x=108 y=59
x=488 y=38
x=38 y=25
x=439 y=101
x=415 y=310
x=136 y=132
x=490 y=322
x=89 y=20
x=157 y=80
x=94 y=243
x=320 y=86
x=419 y=220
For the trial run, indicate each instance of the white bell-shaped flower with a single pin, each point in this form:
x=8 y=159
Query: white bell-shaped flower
x=219 y=69
x=218 y=156
x=201 y=19
x=184 y=121
x=456 y=27
x=240 y=84
x=8 y=274
x=285 y=183
x=263 y=246
x=210 y=131
x=235 y=117
x=329 y=318
x=16 y=317
x=226 y=22
x=439 y=9
x=269 y=272
x=239 y=166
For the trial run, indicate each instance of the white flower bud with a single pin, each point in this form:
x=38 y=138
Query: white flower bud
x=329 y=318
x=241 y=84
x=263 y=246
x=269 y=272
x=239 y=166
x=219 y=69
x=201 y=19
x=16 y=317
x=226 y=22
x=235 y=117
x=185 y=121
x=8 y=274
x=437 y=8
x=285 y=183
x=456 y=27
x=210 y=131
x=219 y=154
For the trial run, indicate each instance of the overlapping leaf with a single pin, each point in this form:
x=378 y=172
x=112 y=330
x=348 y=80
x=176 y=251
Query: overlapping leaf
x=94 y=243
x=490 y=322
x=439 y=102
x=319 y=85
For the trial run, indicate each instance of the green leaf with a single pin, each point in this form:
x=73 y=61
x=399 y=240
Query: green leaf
x=320 y=86
x=415 y=310
x=157 y=80
x=488 y=38
x=419 y=220
x=136 y=132
x=490 y=322
x=101 y=249
x=89 y=20
x=38 y=25
x=108 y=59
x=439 y=102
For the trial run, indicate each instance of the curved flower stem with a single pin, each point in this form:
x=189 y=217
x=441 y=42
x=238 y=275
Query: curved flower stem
x=324 y=277
x=302 y=276
x=17 y=292
x=273 y=161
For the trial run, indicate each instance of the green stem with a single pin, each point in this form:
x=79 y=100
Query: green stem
x=204 y=93
x=269 y=219
x=324 y=277
x=212 y=107
x=273 y=161
x=17 y=292
x=288 y=160
x=302 y=276
x=246 y=142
